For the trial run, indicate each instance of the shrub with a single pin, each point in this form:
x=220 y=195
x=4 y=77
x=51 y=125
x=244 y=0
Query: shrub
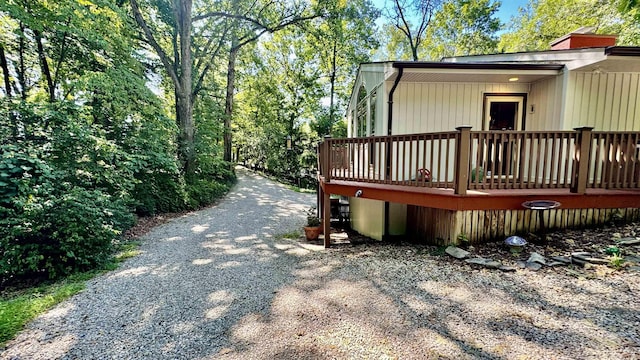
x=203 y=192
x=55 y=232
x=212 y=179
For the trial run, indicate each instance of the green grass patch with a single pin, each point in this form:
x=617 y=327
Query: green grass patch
x=295 y=234
x=19 y=306
x=438 y=251
x=298 y=189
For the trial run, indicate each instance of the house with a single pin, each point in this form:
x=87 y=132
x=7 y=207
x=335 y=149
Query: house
x=450 y=149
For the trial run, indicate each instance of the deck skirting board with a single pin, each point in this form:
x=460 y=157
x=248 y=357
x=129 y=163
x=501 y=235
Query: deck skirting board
x=445 y=227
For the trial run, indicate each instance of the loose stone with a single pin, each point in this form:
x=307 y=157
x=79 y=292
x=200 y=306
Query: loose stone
x=629 y=241
x=489 y=263
x=456 y=252
x=537 y=258
x=535 y=266
x=563 y=259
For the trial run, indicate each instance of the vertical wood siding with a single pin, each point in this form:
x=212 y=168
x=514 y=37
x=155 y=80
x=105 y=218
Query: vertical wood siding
x=442 y=227
x=606 y=101
x=430 y=107
x=546 y=98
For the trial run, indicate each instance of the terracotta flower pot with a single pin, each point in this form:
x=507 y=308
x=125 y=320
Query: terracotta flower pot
x=312 y=232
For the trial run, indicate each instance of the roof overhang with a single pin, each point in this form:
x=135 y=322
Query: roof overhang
x=605 y=59
x=472 y=72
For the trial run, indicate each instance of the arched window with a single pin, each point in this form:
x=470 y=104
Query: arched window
x=372 y=112
x=361 y=111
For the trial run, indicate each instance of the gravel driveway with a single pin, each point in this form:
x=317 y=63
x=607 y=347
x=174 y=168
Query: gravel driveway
x=220 y=283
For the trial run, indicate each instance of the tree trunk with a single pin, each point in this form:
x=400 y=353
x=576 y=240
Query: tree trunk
x=5 y=71
x=184 y=116
x=22 y=78
x=333 y=85
x=414 y=50
x=228 y=108
x=184 y=97
x=44 y=66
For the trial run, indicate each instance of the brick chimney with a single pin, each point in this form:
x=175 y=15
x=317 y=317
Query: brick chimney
x=583 y=38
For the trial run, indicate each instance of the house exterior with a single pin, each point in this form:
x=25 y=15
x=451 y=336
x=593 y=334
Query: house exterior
x=510 y=96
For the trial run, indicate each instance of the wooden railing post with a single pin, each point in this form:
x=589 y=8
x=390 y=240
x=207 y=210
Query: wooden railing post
x=463 y=150
x=583 y=150
x=327 y=158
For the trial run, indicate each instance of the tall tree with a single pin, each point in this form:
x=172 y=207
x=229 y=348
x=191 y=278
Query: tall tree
x=343 y=39
x=464 y=27
x=178 y=65
x=218 y=26
x=412 y=18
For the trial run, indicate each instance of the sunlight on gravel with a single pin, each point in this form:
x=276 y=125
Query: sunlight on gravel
x=223 y=283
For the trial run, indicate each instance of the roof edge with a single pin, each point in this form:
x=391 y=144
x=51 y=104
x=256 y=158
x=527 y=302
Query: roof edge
x=622 y=50
x=475 y=66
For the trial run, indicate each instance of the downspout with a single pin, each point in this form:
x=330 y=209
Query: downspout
x=389 y=126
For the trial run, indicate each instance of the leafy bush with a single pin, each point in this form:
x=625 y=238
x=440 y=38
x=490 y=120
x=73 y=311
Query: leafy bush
x=211 y=179
x=203 y=192
x=51 y=227
x=71 y=177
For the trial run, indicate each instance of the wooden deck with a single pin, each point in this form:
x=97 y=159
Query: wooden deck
x=581 y=169
x=489 y=199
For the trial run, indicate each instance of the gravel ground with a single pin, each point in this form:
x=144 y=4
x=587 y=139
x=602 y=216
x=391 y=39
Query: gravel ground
x=220 y=283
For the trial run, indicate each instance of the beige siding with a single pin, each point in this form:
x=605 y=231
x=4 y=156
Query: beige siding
x=397 y=219
x=605 y=101
x=546 y=98
x=367 y=217
x=429 y=107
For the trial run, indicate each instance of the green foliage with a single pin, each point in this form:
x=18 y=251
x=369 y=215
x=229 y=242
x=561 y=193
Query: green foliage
x=19 y=306
x=203 y=192
x=16 y=311
x=411 y=19
x=463 y=239
x=616 y=261
x=543 y=21
x=69 y=186
x=339 y=129
x=313 y=219
x=612 y=250
x=477 y=174
x=50 y=226
x=464 y=27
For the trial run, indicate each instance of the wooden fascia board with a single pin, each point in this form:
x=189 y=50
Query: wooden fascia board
x=496 y=200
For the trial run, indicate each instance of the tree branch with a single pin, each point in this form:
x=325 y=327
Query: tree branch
x=198 y=87
x=266 y=29
x=168 y=64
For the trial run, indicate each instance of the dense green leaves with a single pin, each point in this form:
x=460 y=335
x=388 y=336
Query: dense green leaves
x=464 y=27
x=543 y=21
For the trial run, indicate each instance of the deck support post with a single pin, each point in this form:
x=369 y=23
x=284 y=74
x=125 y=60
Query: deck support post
x=463 y=149
x=326 y=218
x=581 y=159
x=327 y=158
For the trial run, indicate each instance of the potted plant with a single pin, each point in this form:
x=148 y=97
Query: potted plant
x=313 y=228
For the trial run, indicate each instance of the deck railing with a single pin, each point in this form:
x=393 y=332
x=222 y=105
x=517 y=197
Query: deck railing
x=469 y=160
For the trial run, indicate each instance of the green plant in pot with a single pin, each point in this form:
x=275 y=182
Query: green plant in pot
x=313 y=229
x=477 y=174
